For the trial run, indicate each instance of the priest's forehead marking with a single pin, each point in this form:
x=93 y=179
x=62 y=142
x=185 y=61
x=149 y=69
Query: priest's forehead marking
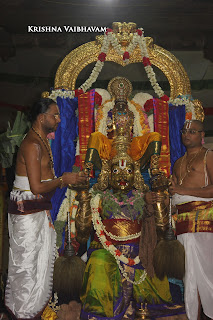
x=188 y=124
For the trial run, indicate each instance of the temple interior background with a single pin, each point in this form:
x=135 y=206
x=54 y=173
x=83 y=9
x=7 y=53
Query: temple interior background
x=29 y=60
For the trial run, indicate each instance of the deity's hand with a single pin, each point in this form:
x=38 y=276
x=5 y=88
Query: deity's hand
x=73 y=178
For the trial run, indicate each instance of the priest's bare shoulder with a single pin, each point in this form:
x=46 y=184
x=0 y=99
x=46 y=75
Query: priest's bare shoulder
x=193 y=173
x=34 y=158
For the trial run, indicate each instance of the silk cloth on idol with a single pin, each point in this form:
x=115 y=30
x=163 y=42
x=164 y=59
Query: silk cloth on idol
x=31 y=253
x=105 y=292
x=195 y=233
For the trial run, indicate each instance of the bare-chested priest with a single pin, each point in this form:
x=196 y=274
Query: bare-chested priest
x=31 y=232
x=192 y=190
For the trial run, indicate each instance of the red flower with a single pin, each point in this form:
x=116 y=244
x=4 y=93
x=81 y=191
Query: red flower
x=126 y=55
x=108 y=30
x=108 y=243
x=101 y=233
x=146 y=62
x=78 y=92
x=102 y=57
x=148 y=105
x=97 y=222
x=164 y=98
x=140 y=32
x=99 y=210
x=118 y=253
x=77 y=161
x=131 y=262
x=98 y=98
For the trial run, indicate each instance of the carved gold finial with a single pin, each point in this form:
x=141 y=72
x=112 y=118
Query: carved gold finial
x=124 y=31
x=45 y=94
x=199 y=113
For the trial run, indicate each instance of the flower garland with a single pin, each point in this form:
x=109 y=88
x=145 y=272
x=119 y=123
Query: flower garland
x=114 y=237
x=189 y=106
x=98 y=66
x=101 y=117
x=141 y=98
x=69 y=205
x=149 y=70
x=140 y=120
x=62 y=94
x=117 y=47
x=138 y=39
x=119 y=257
x=113 y=202
x=105 y=95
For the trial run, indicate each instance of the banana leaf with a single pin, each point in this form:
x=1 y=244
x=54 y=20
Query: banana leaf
x=12 y=138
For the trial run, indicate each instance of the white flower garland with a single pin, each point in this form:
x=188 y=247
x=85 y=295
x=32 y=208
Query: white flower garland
x=62 y=94
x=137 y=129
x=64 y=210
x=110 y=37
x=141 y=98
x=73 y=215
x=105 y=109
x=105 y=95
x=97 y=68
x=149 y=70
x=117 y=47
x=119 y=257
x=77 y=153
x=114 y=237
x=65 y=206
x=138 y=39
x=189 y=106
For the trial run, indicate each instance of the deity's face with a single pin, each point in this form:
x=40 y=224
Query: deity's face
x=121 y=106
x=122 y=176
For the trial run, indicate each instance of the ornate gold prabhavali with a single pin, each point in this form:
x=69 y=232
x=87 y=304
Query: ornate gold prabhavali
x=87 y=53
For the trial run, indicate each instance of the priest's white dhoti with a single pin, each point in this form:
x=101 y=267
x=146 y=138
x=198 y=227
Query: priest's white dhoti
x=31 y=254
x=198 y=258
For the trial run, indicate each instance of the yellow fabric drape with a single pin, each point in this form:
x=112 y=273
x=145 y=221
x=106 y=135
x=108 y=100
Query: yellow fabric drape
x=138 y=146
x=101 y=143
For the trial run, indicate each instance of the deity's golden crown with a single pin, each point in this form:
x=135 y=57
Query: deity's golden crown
x=120 y=89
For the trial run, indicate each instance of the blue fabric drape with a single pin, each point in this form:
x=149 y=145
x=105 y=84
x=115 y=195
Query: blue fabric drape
x=64 y=146
x=176 y=122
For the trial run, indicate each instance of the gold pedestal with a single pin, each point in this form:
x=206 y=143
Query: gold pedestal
x=143 y=312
